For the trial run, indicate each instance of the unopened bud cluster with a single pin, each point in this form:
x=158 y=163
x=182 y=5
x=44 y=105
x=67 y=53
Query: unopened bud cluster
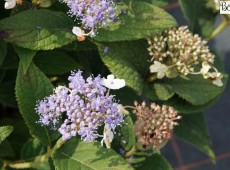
x=154 y=124
x=178 y=52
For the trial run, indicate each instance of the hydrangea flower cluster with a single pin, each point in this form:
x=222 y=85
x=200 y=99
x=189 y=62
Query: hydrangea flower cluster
x=92 y=13
x=178 y=52
x=154 y=124
x=84 y=105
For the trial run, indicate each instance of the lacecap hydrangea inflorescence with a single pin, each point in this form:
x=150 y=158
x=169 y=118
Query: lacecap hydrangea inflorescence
x=177 y=52
x=83 y=106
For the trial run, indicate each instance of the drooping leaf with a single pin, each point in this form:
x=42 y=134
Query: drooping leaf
x=4 y=132
x=76 y=154
x=30 y=88
x=55 y=62
x=3 y=51
x=193 y=130
x=41 y=29
x=143 y=161
x=127 y=60
x=26 y=56
x=200 y=16
x=143 y=20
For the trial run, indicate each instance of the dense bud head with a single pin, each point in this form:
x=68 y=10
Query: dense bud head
x=154 y=124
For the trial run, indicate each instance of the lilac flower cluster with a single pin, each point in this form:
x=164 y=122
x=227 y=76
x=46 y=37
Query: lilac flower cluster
x=92 y=13
x=85 y=104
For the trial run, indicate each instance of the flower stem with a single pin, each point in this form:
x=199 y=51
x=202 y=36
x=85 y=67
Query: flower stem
x=218 y=29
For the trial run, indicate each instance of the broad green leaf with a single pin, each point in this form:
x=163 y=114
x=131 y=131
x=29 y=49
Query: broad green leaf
x=31 y=149
x=30 y=88
x=164 y=92
x=197 y=90
x=127 y=60
x=126 y=96
x=38 y=29
x=6 y=149
x=200 y=16
x=4 y=132
x=142 y=21
x=143 y=161
x=193 y=130
x=20 y=134
x=55 y=62
x=7 y=93
x=159 y=3
x=182 y=106
x=26 y=56
x=11 y=60
x=3 y=51
x=125 y=137
x=76 y=154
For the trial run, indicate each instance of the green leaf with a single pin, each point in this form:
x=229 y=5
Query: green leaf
x=31 y=149
x=144 y=161
x=41 y=29
x=126 y=96
x=3 y=51
x=164 y=92
x=126 y=138
x=6 y=149
x=19 y=136
x=193 y=130
x=7 y=93
x=127 y=60
x=182 y=106
x=200 y=16
x=11 y=60
x=76 y=154
x=55 y=62
x=144 y=20
x=197 y=90
x=4 y=132
x=30 y=88
x=26 y=56
x=159 y=3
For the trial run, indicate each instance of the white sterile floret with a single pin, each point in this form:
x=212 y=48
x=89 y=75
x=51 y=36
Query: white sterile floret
x=107 y=137
x=9 y=4
x=218 y=77
x=78 y=31
x=113 y=83
x=159 y=68
x=122 y=110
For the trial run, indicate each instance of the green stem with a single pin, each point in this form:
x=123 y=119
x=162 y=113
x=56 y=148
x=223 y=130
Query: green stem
x=38 y=160
x=130 y=152
x=218 y=29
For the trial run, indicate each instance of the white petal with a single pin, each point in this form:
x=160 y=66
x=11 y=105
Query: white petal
x=77 y=31
x=112 y=83
x=122 y=110
x=205 y=68
x=110 y=77
x=217 y=82
x=160 y=74
x=9 y=4
x=108 y=136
